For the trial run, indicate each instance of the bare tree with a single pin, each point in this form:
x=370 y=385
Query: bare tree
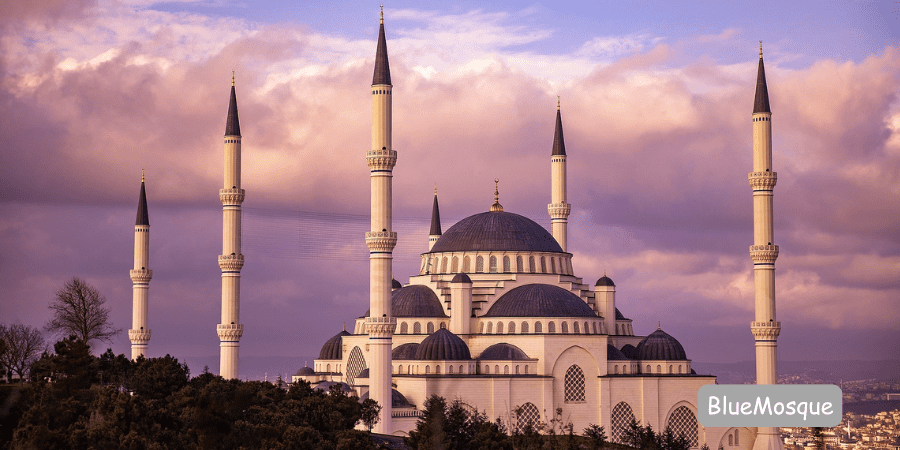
x=23 y=346
x=79 y=311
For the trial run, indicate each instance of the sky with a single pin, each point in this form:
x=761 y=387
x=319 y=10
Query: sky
x=656 y=104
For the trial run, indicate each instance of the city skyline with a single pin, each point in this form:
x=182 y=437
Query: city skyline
x=657 y=119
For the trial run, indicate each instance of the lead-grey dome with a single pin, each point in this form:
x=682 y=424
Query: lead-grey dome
x=305 y=371
x=496 y=231
x=614 y=354
x=502 y=352
x=605 y=281
x=405 y=351
x=398 y=400
x=443 y=345
x=540 y=300
x=629 y=351
x=415 y=301
x=659 y=345
x=333 y=348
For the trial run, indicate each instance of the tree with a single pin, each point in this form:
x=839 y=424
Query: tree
x=78 y=310
x=23 y=346
x=596 y=434
x=369 y=413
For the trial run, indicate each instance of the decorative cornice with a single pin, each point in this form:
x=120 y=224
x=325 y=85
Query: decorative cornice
x=141 y=275
x=230 y=332
x=559 y=210
x=381 y=159
x=764 y=254
x=762 y=181
x=231 y=263
x=765 y=330
x=381 y=241
x=381 y=327
x=140 y=336
x=231 y=196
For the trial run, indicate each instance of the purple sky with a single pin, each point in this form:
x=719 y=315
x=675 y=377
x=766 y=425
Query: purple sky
x=656 y=106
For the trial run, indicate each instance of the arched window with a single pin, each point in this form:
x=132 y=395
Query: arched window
x=427 y=369
x=551 y=327
x=621 y=417
x=460 y=368
x=595 y=328
x=499 y=327
x=490 y=328
x=543 y=264
x=679 y=368
x=524 y=327
x=575 y=328
x=574 y=384
x=466 y=265
x=404 y=328
x=527 y=417
x=538 y=327
x=520 y=266
x=564 y=328
x=417 y=328
x=730 y=440
x=454 y=265
x=617 y=369
x=481 y=328
x=328 y=368
x=670 y=368
x=479 y=264
x=443 y=325
x=437 y=369
x=511 y=328
x=400 y=369
x=430 y=327
x=497 y=369
x=648 y=369
x=658 y=369
x=506 y=265
x=444 y=265
x=505 y=370
x=684 y=422
x=355 y=364
x=587 y=329
x=487 y=369
x=450 y=369
x=493 y=266
x=552 y=265
x=531 y=264
x=737 y=437
x=526 y=370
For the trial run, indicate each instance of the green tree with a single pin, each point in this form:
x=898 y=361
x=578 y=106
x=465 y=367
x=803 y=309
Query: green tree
x=597 y=436
x=79 y=310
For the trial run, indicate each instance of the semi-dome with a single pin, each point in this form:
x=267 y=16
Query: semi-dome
x=605 y=281
x=629 y=351
x=461 y=278
x=333 y=348
x=540 y=300
x=398 y=400
x=614 y=354
x=405 y=351
x=502 y=352
x=659 y=345
x=442 y=345
x=305 y=371
x=395 y=284
x=496 y=231
x=415 y=300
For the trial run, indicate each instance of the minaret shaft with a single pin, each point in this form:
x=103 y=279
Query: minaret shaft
x=558 y=208
x=139 y=334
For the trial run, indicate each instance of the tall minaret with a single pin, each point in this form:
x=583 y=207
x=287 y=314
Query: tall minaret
x=139 y=334
x=381 y=240
x=231 y=260
x=558 y=208
x=763 y=252
x=435 y=232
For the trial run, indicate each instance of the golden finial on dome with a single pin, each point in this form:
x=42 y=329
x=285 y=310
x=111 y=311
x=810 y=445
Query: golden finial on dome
x=760 y=49
x=232 y=78
x=497 y=207
x=142 y=174
x=557 y=103
x=382 y=14
x=435 y=188
x=659 y=325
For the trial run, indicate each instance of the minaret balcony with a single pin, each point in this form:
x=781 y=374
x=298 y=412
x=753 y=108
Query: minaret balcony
x=559 y=210
x=141 y=336
x=230 y=332
x=762 y=181
x=231 y=263
x=381 y=159
x=381 y=326
x=141 y=276
x=231 y=196
x=381 y=241
x=765 y=330
x=764 y=254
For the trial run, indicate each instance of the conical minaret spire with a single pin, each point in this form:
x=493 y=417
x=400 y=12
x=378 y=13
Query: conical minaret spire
x=764 y=252
x=435 y=232
x=558 y=208
x=139 y=334
x=381 y=159
x=231 y=260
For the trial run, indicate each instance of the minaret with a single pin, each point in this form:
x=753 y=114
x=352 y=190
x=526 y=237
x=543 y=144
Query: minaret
x=435 y=232
x=231 y=260
x=558 y=208
x=139 y=334
x=381 y=240
x=763 y=252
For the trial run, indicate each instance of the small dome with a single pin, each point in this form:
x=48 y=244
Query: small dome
x=363 y=374
x=305 y=371
x=405 y=351
x=629 y=351
x=397 y=399
x=395 y=284
x=443 y=345
x=605 y=281
x=659 y=345
x=496 y=230
x=540 y=300
x=333 y=348
x=415 y=301
x=619 y=315
x=614 y=354
x=461 y=278
x=503 y=352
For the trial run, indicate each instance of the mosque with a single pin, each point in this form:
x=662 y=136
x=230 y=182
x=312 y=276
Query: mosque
x=496 y=316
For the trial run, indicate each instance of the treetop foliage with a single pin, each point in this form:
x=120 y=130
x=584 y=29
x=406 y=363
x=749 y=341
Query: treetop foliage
x=79 y=310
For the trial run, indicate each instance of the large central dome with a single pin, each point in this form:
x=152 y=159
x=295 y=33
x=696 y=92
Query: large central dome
x=496 y=231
